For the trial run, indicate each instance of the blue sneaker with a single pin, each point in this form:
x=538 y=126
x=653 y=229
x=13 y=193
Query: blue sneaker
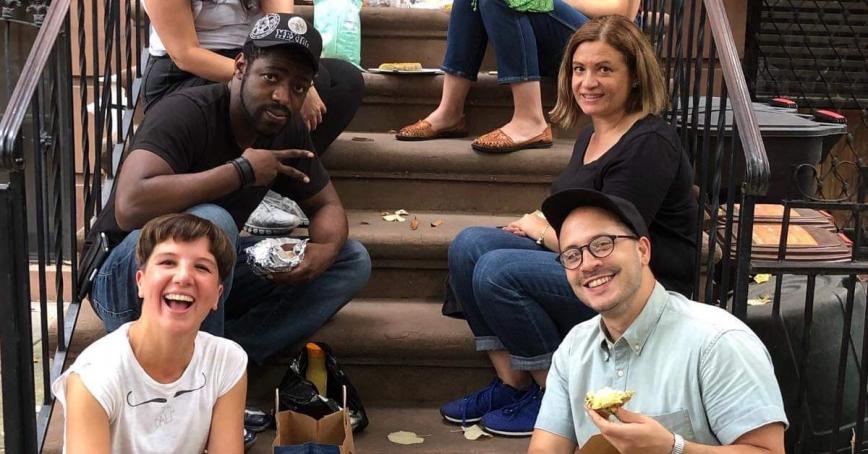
x=470 y=408
x=515 y=420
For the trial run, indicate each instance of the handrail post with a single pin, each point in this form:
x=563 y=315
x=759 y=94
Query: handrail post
x=16 y=346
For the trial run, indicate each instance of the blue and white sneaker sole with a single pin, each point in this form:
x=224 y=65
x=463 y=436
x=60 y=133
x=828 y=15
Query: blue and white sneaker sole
x=506 y=434
x=460 y=421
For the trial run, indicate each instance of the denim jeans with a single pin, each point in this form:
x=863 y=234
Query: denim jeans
x=514 y=294
x=261 y=316
x=528 y=45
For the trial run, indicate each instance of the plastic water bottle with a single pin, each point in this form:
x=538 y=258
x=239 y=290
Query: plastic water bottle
x=316 y=370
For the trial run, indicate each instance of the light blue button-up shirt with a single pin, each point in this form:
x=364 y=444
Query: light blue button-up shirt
x=695 y=368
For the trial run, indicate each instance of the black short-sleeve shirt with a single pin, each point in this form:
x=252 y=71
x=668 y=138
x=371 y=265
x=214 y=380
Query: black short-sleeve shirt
x=190 y=130
x=649 y=168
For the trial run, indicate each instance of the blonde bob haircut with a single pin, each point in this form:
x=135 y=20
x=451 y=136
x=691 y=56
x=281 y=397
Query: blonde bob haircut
x=649 y=94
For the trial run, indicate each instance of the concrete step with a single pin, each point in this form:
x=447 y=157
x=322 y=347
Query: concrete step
x=394 y=100
x=440 y=437
x=412 y=263
x=395 y=351
x=375 y=172
x=425 y=421
x=404 y=35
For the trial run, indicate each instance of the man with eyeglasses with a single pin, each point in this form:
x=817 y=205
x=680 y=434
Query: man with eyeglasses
x=703 y=381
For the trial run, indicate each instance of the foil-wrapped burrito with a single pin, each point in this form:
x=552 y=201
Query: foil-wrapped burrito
x=275 y=255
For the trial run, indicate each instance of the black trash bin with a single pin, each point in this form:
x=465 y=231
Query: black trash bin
x=811 y=417
x=790 y=139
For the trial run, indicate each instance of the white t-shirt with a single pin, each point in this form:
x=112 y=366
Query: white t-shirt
x=150 y=417
x=220 y=24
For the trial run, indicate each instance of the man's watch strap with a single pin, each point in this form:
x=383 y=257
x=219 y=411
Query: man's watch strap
x=245 y=171
x=678 y=446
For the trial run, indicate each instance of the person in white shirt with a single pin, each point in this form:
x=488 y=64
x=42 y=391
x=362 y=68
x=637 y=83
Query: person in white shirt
x=158 y=384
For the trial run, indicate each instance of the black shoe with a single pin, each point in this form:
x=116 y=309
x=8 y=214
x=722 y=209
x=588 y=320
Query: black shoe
x=256 y=420
x=249 y=439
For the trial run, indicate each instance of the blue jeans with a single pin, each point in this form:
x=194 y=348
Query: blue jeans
x=528 y=45
x=514 y=294
x=261 y=316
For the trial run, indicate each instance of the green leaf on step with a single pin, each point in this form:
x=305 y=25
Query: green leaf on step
x=405 y=438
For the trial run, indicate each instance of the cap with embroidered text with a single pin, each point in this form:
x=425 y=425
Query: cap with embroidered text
x=281 y=29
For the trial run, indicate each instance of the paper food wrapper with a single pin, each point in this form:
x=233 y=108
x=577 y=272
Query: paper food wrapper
x=597 y=445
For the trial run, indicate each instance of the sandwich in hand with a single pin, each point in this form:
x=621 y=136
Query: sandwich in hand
x=607 y=401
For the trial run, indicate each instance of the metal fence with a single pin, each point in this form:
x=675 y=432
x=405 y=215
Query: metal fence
x=51 y=184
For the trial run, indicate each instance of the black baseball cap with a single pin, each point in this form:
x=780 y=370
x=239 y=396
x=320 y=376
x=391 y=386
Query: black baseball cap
x=559 y=205
x=281 y=29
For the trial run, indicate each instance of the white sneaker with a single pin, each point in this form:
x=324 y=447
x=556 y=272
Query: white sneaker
x=269 y=220
x=287 y=205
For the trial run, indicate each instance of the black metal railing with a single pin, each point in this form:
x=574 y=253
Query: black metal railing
x=819 y=359
x=51 y=182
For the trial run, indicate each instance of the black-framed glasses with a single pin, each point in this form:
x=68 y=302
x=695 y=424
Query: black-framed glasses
x=600 y=246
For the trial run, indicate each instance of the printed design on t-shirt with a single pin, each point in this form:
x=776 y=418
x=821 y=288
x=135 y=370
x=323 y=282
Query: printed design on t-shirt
x=163 y=400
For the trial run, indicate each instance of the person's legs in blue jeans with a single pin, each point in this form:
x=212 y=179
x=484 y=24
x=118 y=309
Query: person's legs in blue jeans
x=467 y=251
x=529 y=43
x=115 y=297
x=528 y=303
x=464 y=253
x=265 y=318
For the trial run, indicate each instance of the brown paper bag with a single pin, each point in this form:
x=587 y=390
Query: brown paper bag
x=597 y=445
x=297 y=429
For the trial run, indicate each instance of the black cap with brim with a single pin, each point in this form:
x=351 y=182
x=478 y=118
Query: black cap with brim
x=559 y=205
x=291 y=30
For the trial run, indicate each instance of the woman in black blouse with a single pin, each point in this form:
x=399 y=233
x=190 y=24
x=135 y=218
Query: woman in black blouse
x=514 y=294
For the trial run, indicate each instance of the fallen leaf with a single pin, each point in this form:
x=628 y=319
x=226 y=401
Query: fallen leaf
x=405 y=438
x=762 y=277
x=365 y=223
x=475 y=432
x=764 y=299
x=394 y=218
x=414 y=224
x=437 y=223
x=362 y=139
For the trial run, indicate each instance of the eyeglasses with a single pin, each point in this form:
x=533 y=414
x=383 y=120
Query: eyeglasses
x=600 y=246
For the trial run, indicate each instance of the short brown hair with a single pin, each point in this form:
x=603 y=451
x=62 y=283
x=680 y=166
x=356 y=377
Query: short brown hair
x=649 y=96
x=185 y=227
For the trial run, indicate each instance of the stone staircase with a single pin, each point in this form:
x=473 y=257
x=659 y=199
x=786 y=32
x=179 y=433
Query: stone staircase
x=405 y=358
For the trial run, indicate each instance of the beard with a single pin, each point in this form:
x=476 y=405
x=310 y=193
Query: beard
x=255 y=116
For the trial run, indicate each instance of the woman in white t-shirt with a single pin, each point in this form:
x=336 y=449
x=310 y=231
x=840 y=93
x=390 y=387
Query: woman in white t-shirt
x=158 y=384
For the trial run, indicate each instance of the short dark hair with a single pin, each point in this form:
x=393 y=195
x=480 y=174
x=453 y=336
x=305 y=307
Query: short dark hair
x=649 y=94
x=186 y=227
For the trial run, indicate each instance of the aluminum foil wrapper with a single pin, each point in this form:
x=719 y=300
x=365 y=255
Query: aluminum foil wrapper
x=275 y=255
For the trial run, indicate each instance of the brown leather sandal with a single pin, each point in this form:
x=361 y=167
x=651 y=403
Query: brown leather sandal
x=498 y=142
x=422 y=130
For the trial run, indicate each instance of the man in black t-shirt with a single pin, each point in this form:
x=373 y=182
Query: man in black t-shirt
x=214 y=151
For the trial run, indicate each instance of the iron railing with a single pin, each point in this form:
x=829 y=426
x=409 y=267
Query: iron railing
x=51 y=184
x=822 y=377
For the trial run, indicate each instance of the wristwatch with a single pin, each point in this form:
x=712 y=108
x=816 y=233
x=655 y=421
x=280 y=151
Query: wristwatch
x=542 y=236
x=678 y=445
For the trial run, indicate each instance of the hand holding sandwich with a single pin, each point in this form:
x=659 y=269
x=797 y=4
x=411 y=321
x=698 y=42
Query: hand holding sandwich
x=636 y=433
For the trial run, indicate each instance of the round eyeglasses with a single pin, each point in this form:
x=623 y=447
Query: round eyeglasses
x=600 y=246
